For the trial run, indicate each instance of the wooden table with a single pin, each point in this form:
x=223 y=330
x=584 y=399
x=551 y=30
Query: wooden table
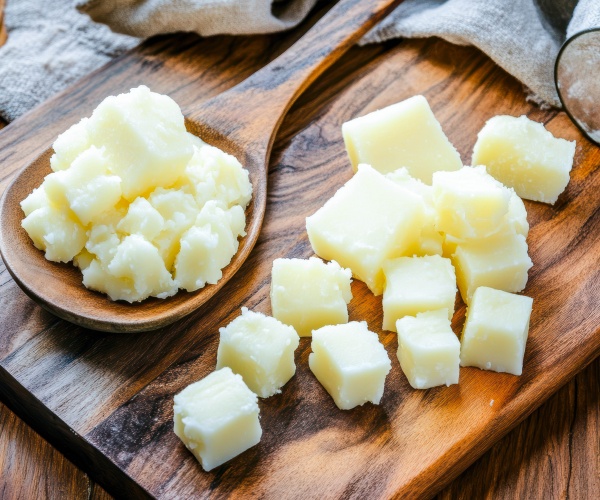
x=554 y=453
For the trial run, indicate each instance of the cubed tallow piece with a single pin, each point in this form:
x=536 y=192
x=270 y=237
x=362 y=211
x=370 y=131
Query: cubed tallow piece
x=428 y=349
x=417 y=284
x=469 y=203
x=350 y=363
x=405 y=134
x=217 y=418
x=500 y=262
x=369 y=220
x=309 y=293
x=431 y=240
x=259 y=348
x=496 y=330
x=515 y=222
x=523 y=155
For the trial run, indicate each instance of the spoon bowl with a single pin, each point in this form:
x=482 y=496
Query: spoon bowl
x=58 y=287
x=243 y=122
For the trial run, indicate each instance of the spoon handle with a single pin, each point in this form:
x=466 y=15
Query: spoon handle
x=267 y=95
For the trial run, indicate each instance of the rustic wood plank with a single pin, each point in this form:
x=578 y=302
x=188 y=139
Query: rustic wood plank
x=343 y=453
x=97 y=493
x=242 y=121
x=527 y=454
x=583 y=480
x=555 y=453
x=31 y=468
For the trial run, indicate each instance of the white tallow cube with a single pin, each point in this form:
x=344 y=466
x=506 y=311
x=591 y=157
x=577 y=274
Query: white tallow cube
x=515 y=222
x=500 y=262
x=496 y=330
x=259 y=348
x=369 y=220
x=469 y=203
x=417 y=284
x=431 y=240
x=405 y=134
x=523 y=155
x=432 y=243
x=217 y=418
x=516 y=217
x=428 y=349
x=450 y=244
x=309 y=294
x=350 y=363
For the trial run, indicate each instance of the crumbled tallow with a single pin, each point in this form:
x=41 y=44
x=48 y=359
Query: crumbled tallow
x=208 y=245
x=86 y=187
x=56 y=232
x=141 y=206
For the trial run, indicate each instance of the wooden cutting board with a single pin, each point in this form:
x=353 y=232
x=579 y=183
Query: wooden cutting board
x=106 y=400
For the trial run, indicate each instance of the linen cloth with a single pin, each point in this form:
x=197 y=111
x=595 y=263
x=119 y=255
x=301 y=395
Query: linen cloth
x=521 y=36
x=52 y=43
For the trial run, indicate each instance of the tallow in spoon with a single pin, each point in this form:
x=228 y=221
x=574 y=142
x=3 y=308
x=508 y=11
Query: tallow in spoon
x=242 y=121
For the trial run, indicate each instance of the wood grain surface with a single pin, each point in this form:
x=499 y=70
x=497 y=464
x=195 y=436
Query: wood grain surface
x=553 y=454
x=111 y=396
x=243 y=122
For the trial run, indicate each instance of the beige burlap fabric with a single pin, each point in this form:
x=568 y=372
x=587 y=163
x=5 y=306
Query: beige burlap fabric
x=52 y=43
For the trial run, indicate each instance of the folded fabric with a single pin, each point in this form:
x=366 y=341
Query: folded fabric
x=51 y=44
x=206 y=17
x=521 y=36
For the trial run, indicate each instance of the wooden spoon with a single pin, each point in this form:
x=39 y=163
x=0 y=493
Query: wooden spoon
x=242 y=121
x=3 y=34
